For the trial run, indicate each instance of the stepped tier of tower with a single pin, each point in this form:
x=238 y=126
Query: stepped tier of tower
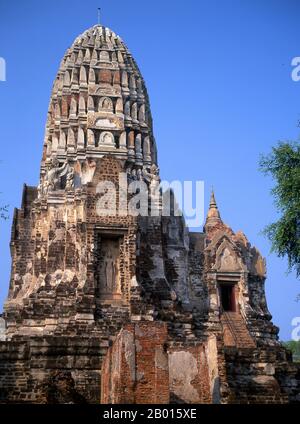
x=99 y=105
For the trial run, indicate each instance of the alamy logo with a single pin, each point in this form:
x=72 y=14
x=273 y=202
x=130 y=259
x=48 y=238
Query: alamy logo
x=2 y=69
x=296 y=330
x=136 y=198
x=296 y=71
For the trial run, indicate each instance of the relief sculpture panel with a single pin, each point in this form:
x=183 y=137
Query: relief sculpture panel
x=108 y=268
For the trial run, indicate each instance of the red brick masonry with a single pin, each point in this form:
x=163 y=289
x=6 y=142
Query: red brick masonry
x=139 y=368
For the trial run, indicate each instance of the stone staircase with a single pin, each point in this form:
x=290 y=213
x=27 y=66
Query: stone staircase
x=251 y=372
x=235 y=331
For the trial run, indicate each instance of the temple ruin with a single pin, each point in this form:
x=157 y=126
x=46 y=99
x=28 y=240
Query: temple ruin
x=119 y=308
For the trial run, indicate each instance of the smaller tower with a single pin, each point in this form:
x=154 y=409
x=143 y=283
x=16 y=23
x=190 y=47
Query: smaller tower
x=213 y=215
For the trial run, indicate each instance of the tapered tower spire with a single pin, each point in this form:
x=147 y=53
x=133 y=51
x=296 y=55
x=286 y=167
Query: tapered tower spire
x=213 y=215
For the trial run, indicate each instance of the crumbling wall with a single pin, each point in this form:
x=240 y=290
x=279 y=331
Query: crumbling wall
x=135 y=369
x=189 y=375
x=260 y=375
x=51 y=370
x=140 y=368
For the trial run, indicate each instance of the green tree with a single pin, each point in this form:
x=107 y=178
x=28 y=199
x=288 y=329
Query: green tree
x=283 y=164
x=294 y=347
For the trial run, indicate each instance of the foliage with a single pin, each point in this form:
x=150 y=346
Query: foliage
x=283 y=164
x=294 y=347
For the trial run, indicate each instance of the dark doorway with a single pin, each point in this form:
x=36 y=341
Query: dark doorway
x=227 y=297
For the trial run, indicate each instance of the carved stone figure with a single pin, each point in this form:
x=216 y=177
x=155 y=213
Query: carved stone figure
x=155 y=172
x=109 y=267
x=151 y=174
x=70 y=179
x=227 y=261
x=110 y=272
x=105 y=104
x=53 y=177
x=107 y=139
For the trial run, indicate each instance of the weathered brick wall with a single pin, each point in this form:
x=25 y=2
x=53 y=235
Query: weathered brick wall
x=54 y=260
x=288 y=376
x=16 y=383
x=140 y=368
x=189 y=375
x=198 y=287
x=135 y=369
x=261 y=375
x=51 y=370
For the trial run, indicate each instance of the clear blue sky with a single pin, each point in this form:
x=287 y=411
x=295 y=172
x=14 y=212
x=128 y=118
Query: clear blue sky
x=218 y=75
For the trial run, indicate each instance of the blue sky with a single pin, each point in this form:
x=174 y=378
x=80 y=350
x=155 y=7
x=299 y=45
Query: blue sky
x=219 y=78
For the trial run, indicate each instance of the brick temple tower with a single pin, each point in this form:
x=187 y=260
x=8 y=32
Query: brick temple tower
x=117 y=307
x=99 y=126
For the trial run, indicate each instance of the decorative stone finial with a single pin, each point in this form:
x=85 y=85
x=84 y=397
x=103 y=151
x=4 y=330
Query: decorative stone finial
x=213 y=214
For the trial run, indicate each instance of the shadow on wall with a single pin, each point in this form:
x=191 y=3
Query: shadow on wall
x=59 y=388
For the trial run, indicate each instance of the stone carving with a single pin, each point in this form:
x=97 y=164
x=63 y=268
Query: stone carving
x=91 y=106
x=119 y=106
x=107 y=139
x=134 y=111
x=129 y=171
x=70 y=179
x=127 y=110
x=67 y=80
x=227 y=262
x=57 y=111
x=151 y=173
x=105 y=104
x=87 y=57
x=123 y=140
x=109 y=266
x=146 y=150
x=82 y=109
x=132 y=82
x=139 y=174
x=80 y=138
x=90 y=138
x=79 y=58
x=54 y=143
x=134 y=174
x=92 y=77
x=94 y=59
x=82 y=76
x=74 y=79
x=62 y=141
x=104 y=56
x=142 y=114
x=53 y=177
x=124 y=79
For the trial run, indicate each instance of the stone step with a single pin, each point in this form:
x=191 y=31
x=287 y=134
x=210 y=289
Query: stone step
x=235 y=331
